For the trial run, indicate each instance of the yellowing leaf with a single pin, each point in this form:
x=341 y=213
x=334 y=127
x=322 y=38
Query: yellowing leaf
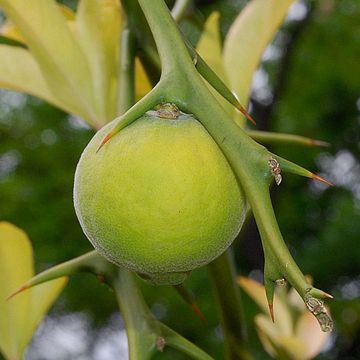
x=98 y=26
x=309 y=332
x=9 y=29
x=275 y=344
x=53 y=45
x=267 y=331
x=209 y=45
x=20 y=315
x=292 y=346
x=142 y=83
x=247 y=39
x=256 y=291
x=20 y=72
x=210 y=49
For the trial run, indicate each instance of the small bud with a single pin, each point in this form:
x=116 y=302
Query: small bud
x=160 y=343
x=280 y=282
x=325 y=322
x=317 y=308
x=275 y=170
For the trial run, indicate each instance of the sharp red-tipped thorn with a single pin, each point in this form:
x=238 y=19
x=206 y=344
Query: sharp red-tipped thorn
x=319 y=143
x=18 y=291
x=105 y=140
x=327 y=296
x=319 y=178
x=271 y=310
x=198 y=313
x=247 y=115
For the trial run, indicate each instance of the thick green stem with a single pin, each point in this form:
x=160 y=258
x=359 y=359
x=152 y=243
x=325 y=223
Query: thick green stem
x=227 y=294
x=126 y=96
x=172 y=50
x=139 y=322
x=248 y=159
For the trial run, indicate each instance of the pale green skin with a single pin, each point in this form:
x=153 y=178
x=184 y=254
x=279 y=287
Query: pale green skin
x=159 y=198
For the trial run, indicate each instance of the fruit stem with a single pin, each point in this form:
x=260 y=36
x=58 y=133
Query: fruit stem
x=137 y=317
x=227 y=294
x=182 y=84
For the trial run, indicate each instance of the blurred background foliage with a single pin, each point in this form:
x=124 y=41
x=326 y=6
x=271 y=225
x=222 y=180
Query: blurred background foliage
x=308 y=84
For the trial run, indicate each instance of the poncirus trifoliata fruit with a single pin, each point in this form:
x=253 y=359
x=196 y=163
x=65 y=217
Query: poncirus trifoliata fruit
x=159 y=198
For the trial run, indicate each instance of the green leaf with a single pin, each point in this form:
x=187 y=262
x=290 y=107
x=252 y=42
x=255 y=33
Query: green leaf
x=20 y=315
x=98 y=26
x=62 y=62
x=247 y=39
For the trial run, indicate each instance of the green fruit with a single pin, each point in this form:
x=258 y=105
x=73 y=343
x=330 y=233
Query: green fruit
x=159 y=198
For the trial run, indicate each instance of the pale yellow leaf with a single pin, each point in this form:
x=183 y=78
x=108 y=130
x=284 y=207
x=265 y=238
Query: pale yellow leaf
x=53 y=45
x=42 y=298
x=275 y=343
x=20 y=315
x=142 y=83
x=293 y=347
x=247 y=39
x=20 y=72
x=309 y=332
x=209 y=48
x=267 y=332
x=9 y=29
x=283 y=319
x=98 y=27
x=209 y=45
x=16 y=268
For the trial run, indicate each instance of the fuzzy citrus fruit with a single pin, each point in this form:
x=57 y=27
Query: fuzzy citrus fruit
x=159 y=198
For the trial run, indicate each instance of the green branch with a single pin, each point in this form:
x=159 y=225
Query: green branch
x=250 y=161
x=223 y=276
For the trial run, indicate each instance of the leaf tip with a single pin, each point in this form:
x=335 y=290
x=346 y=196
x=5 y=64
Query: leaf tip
x=320 y=143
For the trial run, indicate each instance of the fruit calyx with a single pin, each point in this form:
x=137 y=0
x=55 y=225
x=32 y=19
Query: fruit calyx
x=167 y=111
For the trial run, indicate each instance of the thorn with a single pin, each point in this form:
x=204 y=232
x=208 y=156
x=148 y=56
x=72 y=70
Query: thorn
x=328 y=296
x=105 y=140
x=245 y=113
x=271 y=310
x=319 y=178
x=198 y=313
x=319 y=143
x=18 y=291
x=189 y=299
